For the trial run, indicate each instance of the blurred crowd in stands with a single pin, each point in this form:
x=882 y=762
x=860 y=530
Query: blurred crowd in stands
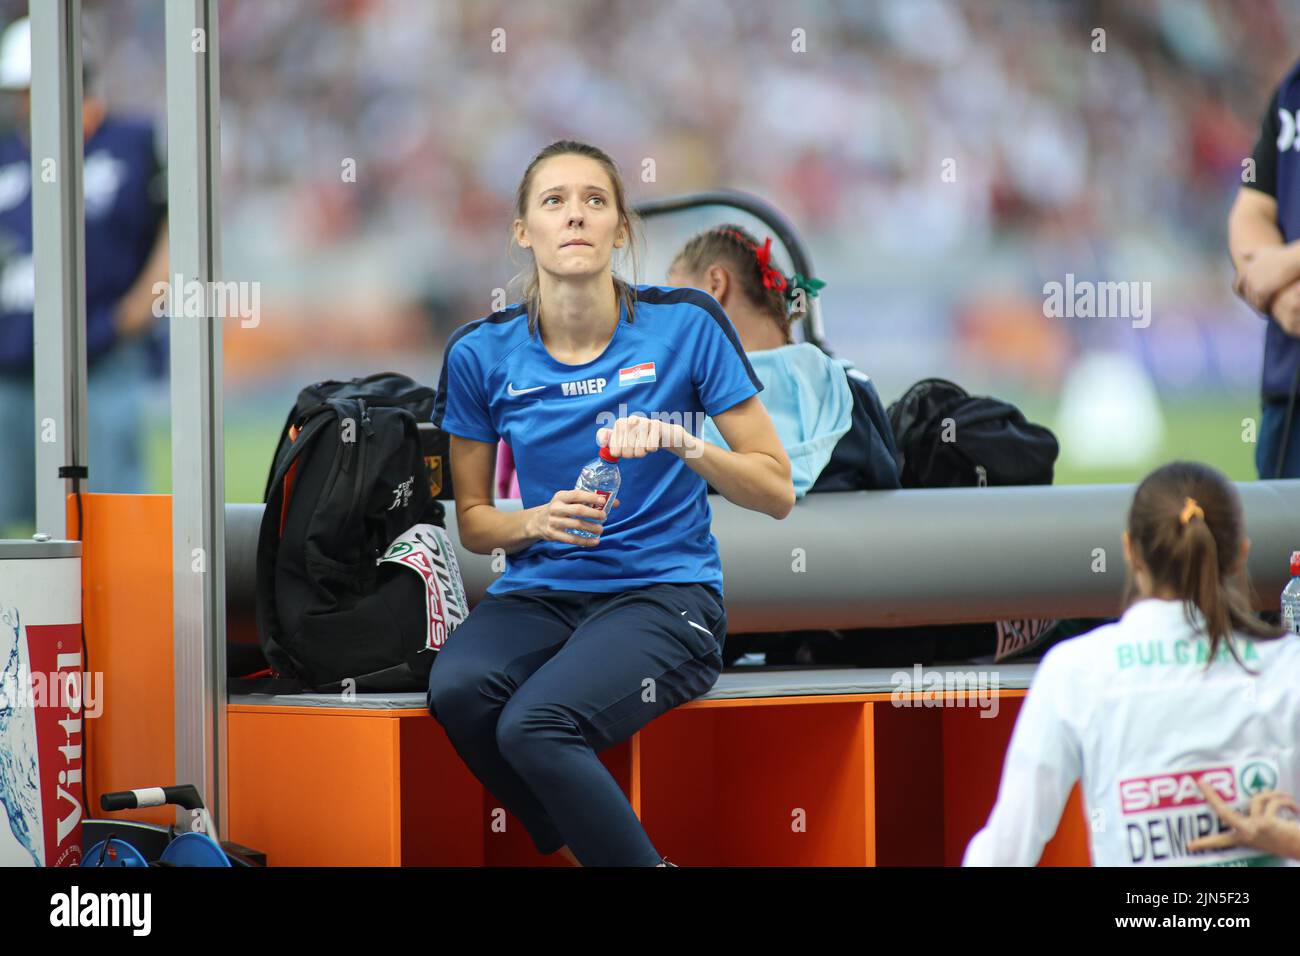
x=1107 y=155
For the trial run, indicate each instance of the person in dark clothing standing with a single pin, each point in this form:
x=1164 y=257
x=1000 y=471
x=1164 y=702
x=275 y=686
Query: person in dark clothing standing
x=1264 y=241
x=126 y=253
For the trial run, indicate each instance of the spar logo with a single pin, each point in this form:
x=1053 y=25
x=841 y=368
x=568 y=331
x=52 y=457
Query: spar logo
x=427 y=551
x=1170 y=791
x=1257 y=777
x=1165 y=812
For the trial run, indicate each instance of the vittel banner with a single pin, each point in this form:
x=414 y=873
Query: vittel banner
x=42 y=703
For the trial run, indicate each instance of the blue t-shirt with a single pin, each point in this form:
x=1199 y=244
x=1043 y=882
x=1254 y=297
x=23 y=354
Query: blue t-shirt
x=678 y=359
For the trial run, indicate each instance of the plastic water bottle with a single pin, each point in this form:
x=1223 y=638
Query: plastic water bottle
x=600 y=475
x=1291 y=597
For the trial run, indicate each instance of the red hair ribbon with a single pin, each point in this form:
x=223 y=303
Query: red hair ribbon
x=772 y=278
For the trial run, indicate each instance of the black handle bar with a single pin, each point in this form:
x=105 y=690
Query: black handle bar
x=185 y=795
x=769 y=215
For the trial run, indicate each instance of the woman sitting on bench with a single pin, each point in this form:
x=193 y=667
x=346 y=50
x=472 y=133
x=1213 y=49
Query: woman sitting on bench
x=584 y=640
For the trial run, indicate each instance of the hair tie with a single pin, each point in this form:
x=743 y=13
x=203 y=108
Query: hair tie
x=1191 y=509
x=772 y=278
x=809 y=285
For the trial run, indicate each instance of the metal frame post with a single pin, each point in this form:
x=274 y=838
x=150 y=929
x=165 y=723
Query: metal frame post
x=59 y=256
x=198 y=485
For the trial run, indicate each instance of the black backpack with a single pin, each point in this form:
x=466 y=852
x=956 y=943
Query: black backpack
x=948 y=438
x=347 y=479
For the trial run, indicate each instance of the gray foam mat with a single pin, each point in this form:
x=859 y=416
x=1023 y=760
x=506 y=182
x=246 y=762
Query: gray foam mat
x=738 y=684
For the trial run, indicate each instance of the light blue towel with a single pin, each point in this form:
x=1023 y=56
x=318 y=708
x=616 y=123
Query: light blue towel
x=808 y=397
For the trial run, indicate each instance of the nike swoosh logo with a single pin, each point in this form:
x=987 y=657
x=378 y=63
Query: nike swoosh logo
x=698 y=627
x=510 y=387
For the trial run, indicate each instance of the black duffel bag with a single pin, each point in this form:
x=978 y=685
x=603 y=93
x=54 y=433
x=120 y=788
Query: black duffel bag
x=948 y=438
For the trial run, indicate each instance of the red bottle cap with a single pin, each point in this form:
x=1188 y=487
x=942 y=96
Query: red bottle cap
x=604 y=453
x=1295 y=564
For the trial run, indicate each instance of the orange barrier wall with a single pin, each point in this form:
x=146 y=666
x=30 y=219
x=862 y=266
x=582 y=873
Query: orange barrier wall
x=127 y=595
x=846 y=780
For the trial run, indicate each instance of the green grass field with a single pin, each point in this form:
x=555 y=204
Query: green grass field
x=1209 y=431
x=1203 y=430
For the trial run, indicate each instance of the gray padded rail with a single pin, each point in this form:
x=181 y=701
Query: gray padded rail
x=922 y=556
x=733 y=685
x=27 y=549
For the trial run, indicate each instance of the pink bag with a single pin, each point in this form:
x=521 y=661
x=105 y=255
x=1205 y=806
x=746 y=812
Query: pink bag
x=507 y=479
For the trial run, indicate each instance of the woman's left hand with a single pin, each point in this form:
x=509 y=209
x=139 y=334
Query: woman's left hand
x=637 y=436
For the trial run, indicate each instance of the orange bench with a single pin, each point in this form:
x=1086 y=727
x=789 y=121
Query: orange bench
x=795 y=767
x=824 y=779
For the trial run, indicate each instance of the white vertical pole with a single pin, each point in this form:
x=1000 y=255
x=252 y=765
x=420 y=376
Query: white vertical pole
x=198 y=486
x=58 y=254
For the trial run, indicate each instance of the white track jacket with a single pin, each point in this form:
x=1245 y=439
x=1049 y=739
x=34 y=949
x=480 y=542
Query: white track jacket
x=1131 y=710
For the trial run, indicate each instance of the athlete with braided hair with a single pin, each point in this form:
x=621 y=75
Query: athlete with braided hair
x=827 y=412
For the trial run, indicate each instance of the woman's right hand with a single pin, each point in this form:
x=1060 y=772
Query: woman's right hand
x=567 y=510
